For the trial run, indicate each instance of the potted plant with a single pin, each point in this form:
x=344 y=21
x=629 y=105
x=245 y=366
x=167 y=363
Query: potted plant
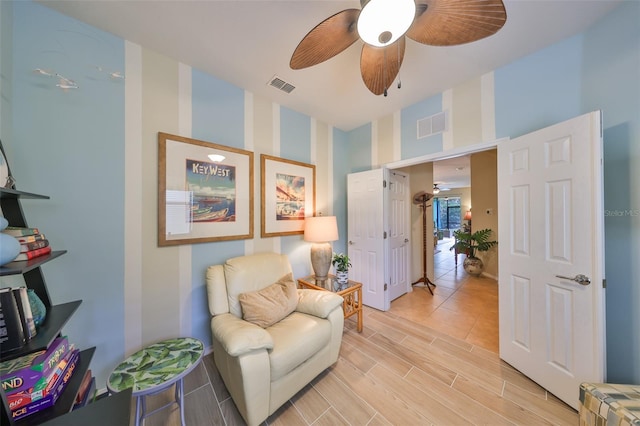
x=469 y=243
x=341 y=263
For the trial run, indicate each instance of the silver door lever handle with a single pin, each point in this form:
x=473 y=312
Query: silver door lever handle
x=580 y=279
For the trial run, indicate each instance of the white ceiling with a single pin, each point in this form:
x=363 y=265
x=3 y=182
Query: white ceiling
x=452 y=173
x=248 y=42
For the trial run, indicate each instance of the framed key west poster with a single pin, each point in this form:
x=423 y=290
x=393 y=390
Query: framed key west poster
x=205 y=191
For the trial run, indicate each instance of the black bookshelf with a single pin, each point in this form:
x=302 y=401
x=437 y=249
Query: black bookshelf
x=56 y=318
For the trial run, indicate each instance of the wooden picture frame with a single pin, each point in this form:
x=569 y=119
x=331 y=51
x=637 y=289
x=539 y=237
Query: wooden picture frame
x=200 y=199
x=287 y=195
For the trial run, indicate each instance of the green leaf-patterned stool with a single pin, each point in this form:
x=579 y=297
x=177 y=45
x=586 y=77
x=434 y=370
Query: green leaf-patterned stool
x=154 y=369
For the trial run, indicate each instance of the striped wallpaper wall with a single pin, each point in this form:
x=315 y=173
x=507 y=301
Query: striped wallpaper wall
x=94 y=151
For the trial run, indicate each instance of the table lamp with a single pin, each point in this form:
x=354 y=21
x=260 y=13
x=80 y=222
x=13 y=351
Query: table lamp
x=320 y=230
x=467 y=216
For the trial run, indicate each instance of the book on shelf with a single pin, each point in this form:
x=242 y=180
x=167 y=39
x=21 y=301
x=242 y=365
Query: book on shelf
x=34 y=245
x=11 y=331
x=86 y=390
x=33 y=254
x=24 y=309
x=19 y=231
x=30 y=238
x=84 y=385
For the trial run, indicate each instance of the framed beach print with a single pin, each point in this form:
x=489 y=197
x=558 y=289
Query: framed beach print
x=205 y=191
x=288 y=195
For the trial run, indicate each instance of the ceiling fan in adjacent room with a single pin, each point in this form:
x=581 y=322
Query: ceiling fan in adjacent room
x=383 y=24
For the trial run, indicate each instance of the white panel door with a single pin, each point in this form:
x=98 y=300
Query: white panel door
x=551 y=225
x=366 y=214
x=398 y=238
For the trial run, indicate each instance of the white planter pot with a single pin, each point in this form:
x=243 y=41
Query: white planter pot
x=473 y=266
x=342 y=277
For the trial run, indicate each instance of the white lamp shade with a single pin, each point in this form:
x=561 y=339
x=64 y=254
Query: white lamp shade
x=320 y=229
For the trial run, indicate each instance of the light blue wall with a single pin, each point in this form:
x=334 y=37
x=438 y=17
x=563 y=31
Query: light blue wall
x=217 y=110
x=340 y=171
x=611 y=82
x=295 y=144
x=539 y=90
x=6 y=73
x=217 y=116
x=411 y=145
x=359 y=143
x=295 y=135
x=70 y=146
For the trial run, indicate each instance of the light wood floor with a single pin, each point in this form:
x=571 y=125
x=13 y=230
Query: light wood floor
x=429 y=360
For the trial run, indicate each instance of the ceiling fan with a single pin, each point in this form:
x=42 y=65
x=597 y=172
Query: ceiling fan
x=383 y=24
x=437 y=189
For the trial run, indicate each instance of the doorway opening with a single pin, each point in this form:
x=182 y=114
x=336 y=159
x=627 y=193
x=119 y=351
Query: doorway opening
x=463 y=306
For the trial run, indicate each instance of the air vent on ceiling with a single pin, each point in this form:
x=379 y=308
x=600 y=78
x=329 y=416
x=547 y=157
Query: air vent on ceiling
x=431 y=125
x=279 y=83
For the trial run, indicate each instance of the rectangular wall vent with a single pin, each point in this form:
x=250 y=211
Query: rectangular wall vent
x=279 y=83
x=431 y=125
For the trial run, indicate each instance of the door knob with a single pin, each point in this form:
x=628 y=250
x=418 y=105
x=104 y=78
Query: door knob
x=580 y=279
x=406 y=240
x=351 y=242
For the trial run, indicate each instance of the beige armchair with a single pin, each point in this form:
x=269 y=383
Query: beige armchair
x=264 y=367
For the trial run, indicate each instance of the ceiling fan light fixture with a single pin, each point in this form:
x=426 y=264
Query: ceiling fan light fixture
x=436 y=190
x=382 y=22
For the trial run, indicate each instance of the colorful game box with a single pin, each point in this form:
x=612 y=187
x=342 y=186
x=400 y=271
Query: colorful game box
x=24 y=373
x=54 y=392
x=41 y=388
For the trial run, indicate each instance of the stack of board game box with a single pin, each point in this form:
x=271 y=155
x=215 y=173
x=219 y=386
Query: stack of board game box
x=35 y=381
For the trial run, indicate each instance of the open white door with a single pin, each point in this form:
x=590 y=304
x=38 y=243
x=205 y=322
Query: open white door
x=551 y=223
x=399 y=218
x=366 y=203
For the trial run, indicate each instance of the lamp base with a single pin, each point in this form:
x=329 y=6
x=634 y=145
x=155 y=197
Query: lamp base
x=321 y=260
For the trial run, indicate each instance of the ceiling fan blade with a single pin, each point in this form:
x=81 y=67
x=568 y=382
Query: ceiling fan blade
x=327 y=39
x=379 y=66
x=451 y=22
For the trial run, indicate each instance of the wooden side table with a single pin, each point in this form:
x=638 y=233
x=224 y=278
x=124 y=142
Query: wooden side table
x=351 y=293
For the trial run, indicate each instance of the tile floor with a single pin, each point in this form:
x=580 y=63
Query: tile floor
x=462 y=306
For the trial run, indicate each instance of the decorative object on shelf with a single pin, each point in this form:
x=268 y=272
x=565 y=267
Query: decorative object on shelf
x=383 y=26
x=469 y=243
x=321 y=230
x=9 y=246
x=38 y=309
x=341 y=263
x=288 y=195
x=201 y=200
